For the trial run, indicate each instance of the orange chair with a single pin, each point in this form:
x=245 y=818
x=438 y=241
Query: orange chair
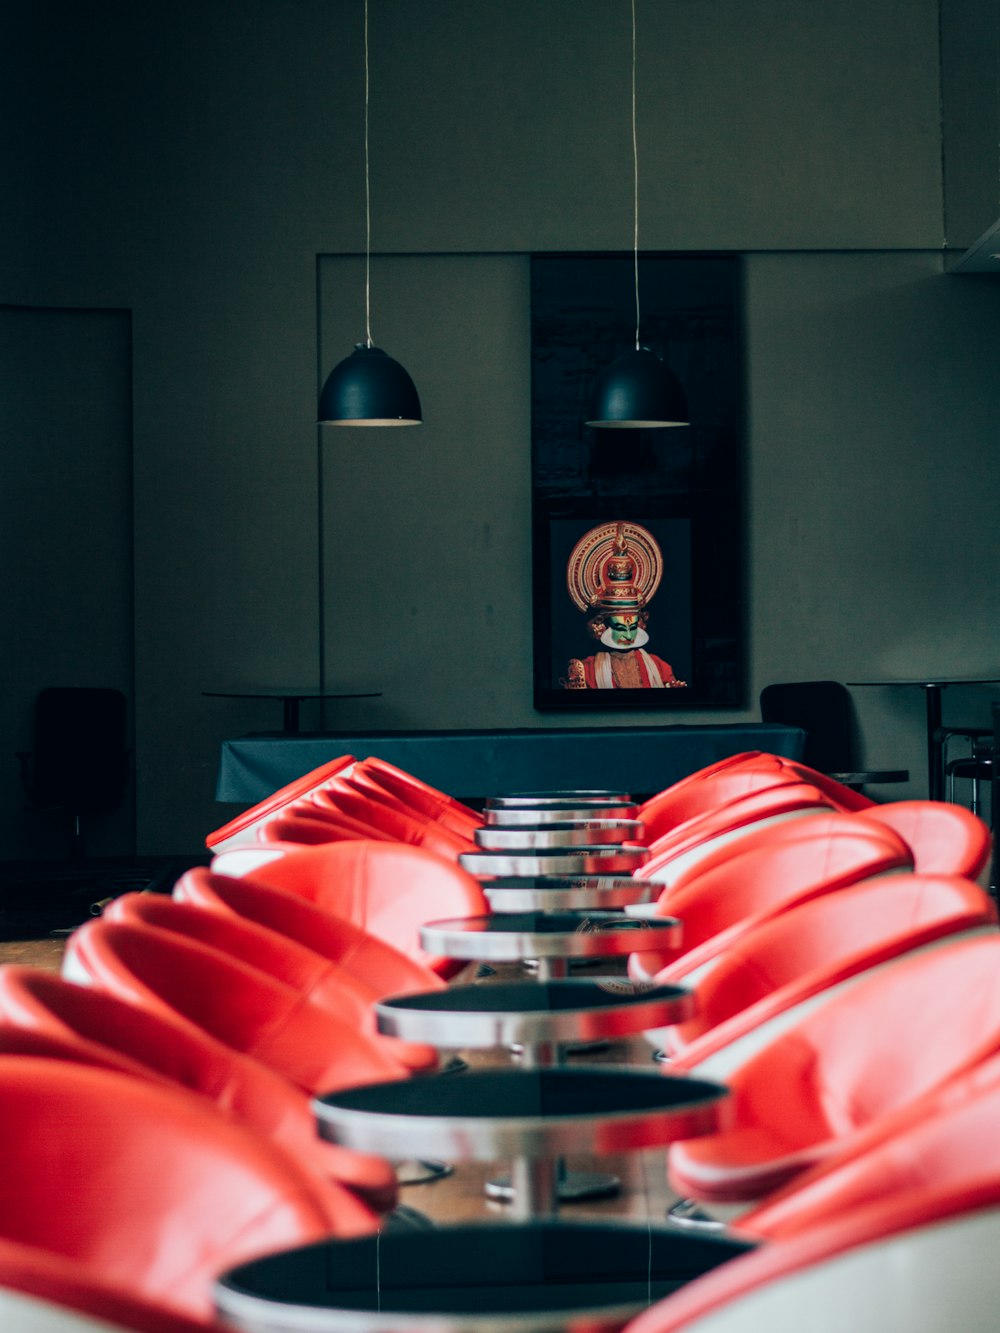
x=804 y=956
x=41 y=1014
x=245 y=827
x=944 y=839
x=427 y=800
x=308 y=973
x=148 y=1192
x=720 y=906
x=386 y=888
x=239 y=1005
x=897 y=1034
x=375 y=965
x=686 y=847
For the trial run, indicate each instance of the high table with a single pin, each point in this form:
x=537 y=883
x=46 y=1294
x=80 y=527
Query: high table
x=932 y=687
x=475 y=765
x=291 y=698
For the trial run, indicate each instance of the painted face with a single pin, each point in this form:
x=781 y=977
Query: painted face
x=623 y=629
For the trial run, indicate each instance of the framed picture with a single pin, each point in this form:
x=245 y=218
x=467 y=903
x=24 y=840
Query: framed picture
x=637 y=534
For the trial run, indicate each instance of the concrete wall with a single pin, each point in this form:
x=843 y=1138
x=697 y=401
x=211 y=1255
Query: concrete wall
x=190 y=164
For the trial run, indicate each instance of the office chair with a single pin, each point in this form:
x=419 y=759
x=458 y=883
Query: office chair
x=79 y=760
x=823 y=709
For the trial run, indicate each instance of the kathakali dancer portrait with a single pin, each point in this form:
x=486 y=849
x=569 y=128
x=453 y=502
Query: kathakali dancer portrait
x=612 y=575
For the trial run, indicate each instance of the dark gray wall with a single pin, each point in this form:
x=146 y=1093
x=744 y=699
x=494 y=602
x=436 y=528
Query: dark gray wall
x=190 y=163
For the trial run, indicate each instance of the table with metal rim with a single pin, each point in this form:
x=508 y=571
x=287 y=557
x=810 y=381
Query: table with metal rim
x=553 y=938
x=611 y=859
x=540 y=1021
x=533 y=1117
x=540 y=799
x=555 y=812
x=485 y=1277
x=932 y=687
x=563 y=833
x=574 y=893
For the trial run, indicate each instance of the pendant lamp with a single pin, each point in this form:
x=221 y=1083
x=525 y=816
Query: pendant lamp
x=637 y=391
x=368 y=388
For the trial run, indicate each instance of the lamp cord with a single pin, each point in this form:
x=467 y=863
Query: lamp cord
x=368 y=205
x=635 y=185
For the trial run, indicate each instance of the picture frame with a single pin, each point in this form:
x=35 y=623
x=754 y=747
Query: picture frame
x=671 y=497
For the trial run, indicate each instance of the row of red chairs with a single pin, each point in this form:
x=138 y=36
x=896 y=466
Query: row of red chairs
x=226 y=991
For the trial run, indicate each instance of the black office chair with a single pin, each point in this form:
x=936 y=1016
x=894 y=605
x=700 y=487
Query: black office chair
x=823 y=709
x=79 y=761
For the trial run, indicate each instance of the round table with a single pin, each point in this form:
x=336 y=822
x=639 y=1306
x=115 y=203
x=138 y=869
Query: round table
x=554 y=812
x=532 y=1116
x=576 y=893
x=558 y=861
x=552 y=938
x=538 y=799
x=562 y=833
x=536 y=1277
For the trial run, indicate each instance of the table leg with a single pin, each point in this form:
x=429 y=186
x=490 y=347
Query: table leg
x=935 y=775
x=290 y=714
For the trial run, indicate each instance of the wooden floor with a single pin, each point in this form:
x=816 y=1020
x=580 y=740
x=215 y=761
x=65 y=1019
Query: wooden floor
x=45 y=953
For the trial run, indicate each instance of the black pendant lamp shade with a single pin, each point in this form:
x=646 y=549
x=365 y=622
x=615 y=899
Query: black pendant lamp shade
x=369 y=388
x=637 y=392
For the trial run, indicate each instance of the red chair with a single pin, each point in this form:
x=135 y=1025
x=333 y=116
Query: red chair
x=808 y=954
x=317 y=979
x=239 y=1005
x=307 y=824
x=923 y=1262
x=388 y=889
x=427 y=800
x=375 y=965
x=42 y=1292
x=897 y=1034
x=41 y=1014
x=146 y=1191
x=687 y=847
x=687 y=800
x=745 y=759
x=344 y=801
x=724 y=904
x=944 y=839
x=245 y=827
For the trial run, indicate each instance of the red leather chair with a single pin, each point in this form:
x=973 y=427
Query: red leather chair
x=722 y=905
x=386 y=888
x=922 y=1262
x=745 y=759
x=241 y=1006
x=146 y=1191
x=307 y=824
x=944 y=839
x=685 y=848
x=317 y=979
x=896 y=1035
x=245 y=827
x=42 y=1292
x=422 y=797
x=344 y=801
x=808 y=954
x=687 y=800
x=41 y=1014
x=374 y=964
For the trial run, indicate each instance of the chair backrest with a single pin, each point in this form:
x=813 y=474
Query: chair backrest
x=745 y=758
x=239 y=1005
x=808 y=952
x=310 y=825
x=425 y=798
x=245 y=827
x=376 y=965
x=79 y=749
x=823 y=709
x=386 y=888
x=345 y=801
x=149 y=1191
x=724 y=904
x=922 y=1262
x=677 y=804
x=944 y=839
x=42 y=1014
x=317 y=979
x=858 y=1057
